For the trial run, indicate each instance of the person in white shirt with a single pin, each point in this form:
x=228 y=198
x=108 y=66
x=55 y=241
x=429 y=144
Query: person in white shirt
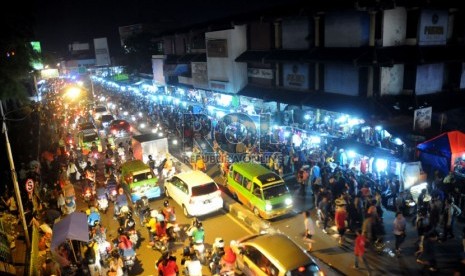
x=309 y=229
x=193 y=267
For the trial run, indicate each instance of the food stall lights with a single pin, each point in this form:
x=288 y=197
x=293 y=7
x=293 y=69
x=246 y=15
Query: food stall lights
x=175 y=142
x=184 y=104
x=210 y=108
x=287 y=134
x=315 y=139
x=351 y=154
x=378 y=128
x=224 y=100
x=326 y=119
x=102 y=99
x=125 y=113
x=220 y=114
x=160 y=134
x=231 y=111
x=180 y=91
x=142 y=125
x=133 y=118
x=154 y=130
x=463 y=156
x=140 y=114
x=176 y=101
x=381 y=164
x=355 y=121
x=342 y=119
x=123 y=88
x=275 y=126
x=80 y=83
x=307 y=117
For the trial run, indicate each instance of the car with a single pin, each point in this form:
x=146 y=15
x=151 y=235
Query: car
x=196 y=193
x=106 y=120
x=120 y=128
x=99 y=111
x=273 y=254
x=86 y=125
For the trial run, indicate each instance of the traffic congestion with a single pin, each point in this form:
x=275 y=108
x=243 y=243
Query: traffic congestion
x=150 y=207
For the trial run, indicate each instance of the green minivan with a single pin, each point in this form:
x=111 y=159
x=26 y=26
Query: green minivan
x=138 y=180
x=260 y=189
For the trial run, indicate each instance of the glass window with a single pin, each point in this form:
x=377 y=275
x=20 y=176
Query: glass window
x=247 y=183
x=238 y=177
x=257 y=191
x=204 y=189
x=275 y=191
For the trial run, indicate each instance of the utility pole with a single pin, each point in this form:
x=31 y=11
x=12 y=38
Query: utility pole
x=14 y=177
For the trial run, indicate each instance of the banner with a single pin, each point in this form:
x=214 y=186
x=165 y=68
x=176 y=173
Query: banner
x=422 y=118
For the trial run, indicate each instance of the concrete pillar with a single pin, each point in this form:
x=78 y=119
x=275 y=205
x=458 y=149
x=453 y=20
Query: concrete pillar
x=371 y=43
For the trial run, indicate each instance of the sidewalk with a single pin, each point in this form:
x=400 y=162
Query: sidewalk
x=341 y=258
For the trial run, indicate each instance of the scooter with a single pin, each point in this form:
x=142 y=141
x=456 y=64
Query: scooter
x=70 y=205
x=129 y=259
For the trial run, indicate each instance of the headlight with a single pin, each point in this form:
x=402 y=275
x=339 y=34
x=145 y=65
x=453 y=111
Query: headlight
x=288 y=201
x=268 y=207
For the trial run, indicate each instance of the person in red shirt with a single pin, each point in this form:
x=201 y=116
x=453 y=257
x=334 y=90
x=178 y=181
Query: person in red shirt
x=359 y=249
x=340 y=220
x=168 y=266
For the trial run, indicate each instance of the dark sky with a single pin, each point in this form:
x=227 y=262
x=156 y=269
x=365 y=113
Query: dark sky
x=60 y=22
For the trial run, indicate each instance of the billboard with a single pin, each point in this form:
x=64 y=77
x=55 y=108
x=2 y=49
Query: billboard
x=157 y=69
x=102 y=54
x=433 y=27
x=217 y=48
x=295 y=76
x=429 y=79
x=342 y=79
x=199 y=74
x=296 y=34
x=422 y=118
x=394 y=27
x=346 y=29
x=37 y=63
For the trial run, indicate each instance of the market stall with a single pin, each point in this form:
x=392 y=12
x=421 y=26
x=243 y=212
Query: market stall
x=72 y=227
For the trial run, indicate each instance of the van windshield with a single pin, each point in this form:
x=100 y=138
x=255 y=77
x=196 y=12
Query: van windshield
x=204 y=189
x=141 y=176
x=268 y=178
x=275 y=191
x=90 y=138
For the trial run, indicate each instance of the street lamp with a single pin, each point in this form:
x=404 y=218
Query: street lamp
x=14 y=177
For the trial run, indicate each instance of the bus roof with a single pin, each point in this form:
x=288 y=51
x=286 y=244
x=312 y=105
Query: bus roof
x=256 y=171
x=134 y=165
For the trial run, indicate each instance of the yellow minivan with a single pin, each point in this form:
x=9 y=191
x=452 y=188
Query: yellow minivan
x=261 y=190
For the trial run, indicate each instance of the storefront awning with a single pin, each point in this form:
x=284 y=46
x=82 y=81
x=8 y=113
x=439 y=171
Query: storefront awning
x=360 y=56
x=252 y=56
x=286 y=56
x=275 y=94
x=366 y=150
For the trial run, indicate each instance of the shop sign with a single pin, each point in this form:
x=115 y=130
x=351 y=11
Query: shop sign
x=433 y=27
x=295 y=76
x=220 y=86
x=199 y=74
x=422 y=118
x=260 y=73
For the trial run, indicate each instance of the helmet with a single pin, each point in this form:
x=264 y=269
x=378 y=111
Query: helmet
x=199 y=224
x=166 y=203
x=129 y=215
x=150 y=157
x=120 y=230
x=219 y=243
x=153 y=213
x=124 y=209
x=160 y=217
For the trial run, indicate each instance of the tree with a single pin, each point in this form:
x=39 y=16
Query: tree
x=138 y=50
x=16 y=53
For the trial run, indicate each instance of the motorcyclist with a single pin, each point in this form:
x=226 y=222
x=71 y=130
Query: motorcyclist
x=216 y=255
x=151 y=225
x=193 y=266
x=121 y=150
x=124 y=244
x=121 y=200
x=228 y=261
x=197 y=233
x=142 y=207
x=168 y=212
x=94 y=147
x=93 y=217
x=129 y=223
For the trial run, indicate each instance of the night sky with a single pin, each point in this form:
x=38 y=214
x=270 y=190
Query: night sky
x=58 y=22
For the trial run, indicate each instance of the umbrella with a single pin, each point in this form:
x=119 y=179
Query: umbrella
x=72 y=227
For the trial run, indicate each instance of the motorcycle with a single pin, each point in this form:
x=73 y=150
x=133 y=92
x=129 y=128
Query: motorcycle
x=102 y=201
x=129 y=259
x=133 y=236
x=88 y=194
x=70 y=205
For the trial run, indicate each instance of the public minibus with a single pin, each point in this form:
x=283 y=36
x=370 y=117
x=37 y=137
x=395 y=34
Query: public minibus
x=85 y=139
x=138 y=180
x=259 y=189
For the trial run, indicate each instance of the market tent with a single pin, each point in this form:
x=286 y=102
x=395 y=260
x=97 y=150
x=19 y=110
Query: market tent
x=72 y=227
x=441 y=152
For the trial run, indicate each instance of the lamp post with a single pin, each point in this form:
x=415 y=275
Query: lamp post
x=14 y=177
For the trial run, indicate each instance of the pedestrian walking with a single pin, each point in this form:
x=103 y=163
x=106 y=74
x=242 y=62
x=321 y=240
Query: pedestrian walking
x=309 y=229
x=359 y=249
x=323 y=212
x=400 y=225
x=341 y=222
x=451 y=211
x=428 y=256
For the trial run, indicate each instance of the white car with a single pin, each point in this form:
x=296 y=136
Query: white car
x=195 y=192
x=99 y=111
